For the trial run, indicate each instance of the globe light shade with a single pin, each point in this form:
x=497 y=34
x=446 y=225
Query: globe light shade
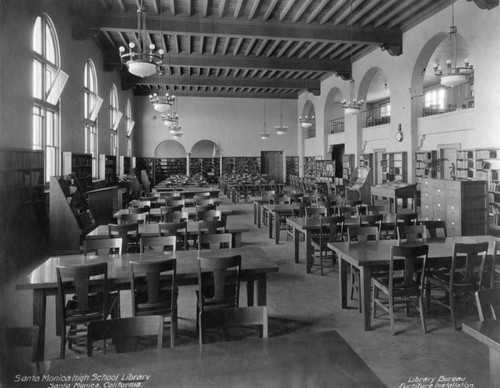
x=264 y=135
x=141 y=69
x=453 y=80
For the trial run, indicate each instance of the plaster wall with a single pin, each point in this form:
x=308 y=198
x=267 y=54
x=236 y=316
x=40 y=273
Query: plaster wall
x=233 y=124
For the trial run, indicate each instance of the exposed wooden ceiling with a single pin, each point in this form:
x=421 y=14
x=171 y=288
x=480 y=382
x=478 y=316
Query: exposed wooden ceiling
x=249 y=48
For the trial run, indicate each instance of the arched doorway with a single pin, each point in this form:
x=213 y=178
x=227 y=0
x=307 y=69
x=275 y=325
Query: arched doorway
x=205 y=159
x=334 y=124
x=170 y=159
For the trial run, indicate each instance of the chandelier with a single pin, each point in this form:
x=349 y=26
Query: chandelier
x=453 y=75
x=306 y=121
x=264 y=135
x=161 y=102
x=281 y=129
x=353 y=106
x=175 y=131
x=139 y=60
x=170 y=119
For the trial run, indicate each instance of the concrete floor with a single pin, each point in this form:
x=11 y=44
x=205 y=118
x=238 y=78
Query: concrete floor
x=298 y=302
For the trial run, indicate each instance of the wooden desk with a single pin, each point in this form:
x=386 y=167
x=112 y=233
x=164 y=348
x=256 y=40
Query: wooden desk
x=488 y=333
x=320 y=359
x=365 y=255
x=274 y=214
x=151 y=230
x=394 y=191
x=43 y=282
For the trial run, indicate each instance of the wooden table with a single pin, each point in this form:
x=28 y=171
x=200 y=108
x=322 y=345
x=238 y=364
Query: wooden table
x=274 y=213
x=393 y=191
x=257 y=209
x=365 y=255
x=43 y=282
x=318 y=359
x=151 y=229
x=488 y=333
x=191 y=210
x=190 y=192
x=309 y=225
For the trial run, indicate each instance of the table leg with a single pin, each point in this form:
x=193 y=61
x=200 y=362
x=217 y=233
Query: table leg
x=250 y=292
x=494 y=368
x=270 y=216
x=39 y=315
x=277 y=228
x=259 y=215
x=365 y=278
x=296 y=238
x=261 y=289
x=343 y=282
x=255 y=213
x=309 y=261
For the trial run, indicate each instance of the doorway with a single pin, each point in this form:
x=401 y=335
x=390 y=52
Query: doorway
x=338 y=151
x=272 y=165
x=448 y=155
x=377 y=166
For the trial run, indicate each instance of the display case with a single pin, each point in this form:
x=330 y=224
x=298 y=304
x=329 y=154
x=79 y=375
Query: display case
x=70 y=215
x=426 y=164
x=348 y=166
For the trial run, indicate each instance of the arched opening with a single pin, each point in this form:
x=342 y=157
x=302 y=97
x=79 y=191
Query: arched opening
x=375 y=90
x=170 y=159
x=205 y=160
x=334 y=124
x=433 y=97
x=308 y=119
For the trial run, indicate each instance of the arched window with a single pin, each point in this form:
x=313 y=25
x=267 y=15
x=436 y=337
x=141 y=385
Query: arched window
x=91 y=105
x=46 y=109
x=114 y=119
x=130 y=126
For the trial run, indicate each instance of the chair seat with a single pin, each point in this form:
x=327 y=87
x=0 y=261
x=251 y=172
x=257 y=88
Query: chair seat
x=443 y=279
x=399 y=289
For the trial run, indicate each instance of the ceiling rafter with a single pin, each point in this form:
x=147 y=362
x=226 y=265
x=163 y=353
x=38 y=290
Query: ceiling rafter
x=286 y=9
x=222 y=5
x=393 y=12
x=317 y=11
x=253 y=10
x=347 y=12
x=237 y=46
x=269 y=10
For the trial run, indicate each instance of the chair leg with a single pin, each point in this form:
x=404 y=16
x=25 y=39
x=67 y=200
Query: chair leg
x=374 y=304
x=422 y=312
x=453 y=313
x=62 y=352
x=391 y=314
x=321 y=260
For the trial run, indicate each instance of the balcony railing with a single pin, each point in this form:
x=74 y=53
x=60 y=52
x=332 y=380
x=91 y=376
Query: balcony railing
x=457 y=98
x=337 y=125
x=376 y=116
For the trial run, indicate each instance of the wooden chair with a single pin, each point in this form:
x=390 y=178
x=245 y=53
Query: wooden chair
x=154 y=291
x=153 y=200
x=233 y=317
x=103 y=246
x=178 y=229
x=210 y=215
x=400 y=285
x=161 y=244
x=218 y=283
x=411 y=233
x=435 y=229
x=22 y=337
x=82 y=297
x=215 y=241
x=372 y=209
x=138 y=210
x=465 y=276
x=363 y=234
x=347 y=211
x=488 y=304
x=169 y=209
x=129 y=233
x=126 y=332
x=331 y=230
x=298 y=210
x=372 y=220
x=138 y=218
x=176 y=217
x=495 y=273
x=211 y=227
x=316 y=211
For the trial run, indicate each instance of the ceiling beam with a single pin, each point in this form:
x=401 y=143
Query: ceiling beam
x=196 y=60
x=130 y=80
x=213 y=92
x=195 y=26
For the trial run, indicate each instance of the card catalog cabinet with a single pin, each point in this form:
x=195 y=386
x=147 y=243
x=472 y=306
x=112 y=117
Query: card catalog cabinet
x=462 y=204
